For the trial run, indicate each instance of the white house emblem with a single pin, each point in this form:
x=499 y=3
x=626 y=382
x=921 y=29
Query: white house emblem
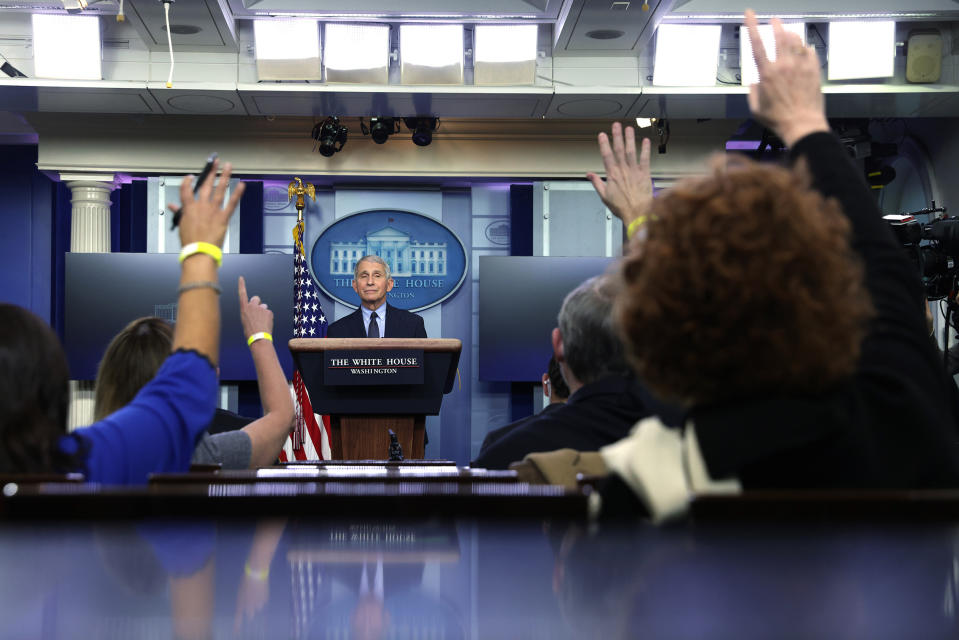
x=427 y=260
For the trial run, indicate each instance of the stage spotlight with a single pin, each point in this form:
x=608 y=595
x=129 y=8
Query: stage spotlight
x=422 y=129
x=330 y=135
x=380 y=129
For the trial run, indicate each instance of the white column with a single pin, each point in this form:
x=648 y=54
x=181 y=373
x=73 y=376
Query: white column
x=90 y=219
x=89 y=233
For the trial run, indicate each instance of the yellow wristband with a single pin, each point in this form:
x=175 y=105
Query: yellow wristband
x=262 y=574
x=202 y=247
x=634 y=226
x=260 y=335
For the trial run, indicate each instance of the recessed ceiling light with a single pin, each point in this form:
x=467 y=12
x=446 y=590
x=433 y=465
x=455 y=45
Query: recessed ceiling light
x=605 y=34
x=183 y=29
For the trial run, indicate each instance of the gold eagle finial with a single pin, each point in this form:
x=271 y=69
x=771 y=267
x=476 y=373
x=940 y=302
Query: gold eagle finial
x=298 y=189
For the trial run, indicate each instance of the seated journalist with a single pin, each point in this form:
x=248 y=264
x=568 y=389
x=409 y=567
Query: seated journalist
x=777 y=307
x=159 y=429
x=375 y=318
x=605 y=398
x=136 y=353
x=554 y=390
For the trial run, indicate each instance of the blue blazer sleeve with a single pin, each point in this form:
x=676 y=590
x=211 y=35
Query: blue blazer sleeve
x=158 y=430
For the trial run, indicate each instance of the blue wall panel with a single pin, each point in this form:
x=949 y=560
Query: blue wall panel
x=128 y=218
x=457 y=321
x=25 y=241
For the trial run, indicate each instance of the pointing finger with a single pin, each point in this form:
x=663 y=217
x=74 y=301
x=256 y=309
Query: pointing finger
x=242 y=289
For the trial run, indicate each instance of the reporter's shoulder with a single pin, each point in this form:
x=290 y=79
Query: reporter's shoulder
x=187 y=358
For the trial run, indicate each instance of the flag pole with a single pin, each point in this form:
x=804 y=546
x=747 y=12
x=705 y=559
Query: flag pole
x=299 y=190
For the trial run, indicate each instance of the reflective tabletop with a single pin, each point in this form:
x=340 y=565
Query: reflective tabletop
x=459 y=578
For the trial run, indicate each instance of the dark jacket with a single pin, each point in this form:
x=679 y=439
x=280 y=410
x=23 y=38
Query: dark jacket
x=497 y=434
x=597 y=414
x=399 y=324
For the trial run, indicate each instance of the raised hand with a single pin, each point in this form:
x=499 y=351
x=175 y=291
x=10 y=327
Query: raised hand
x=788 y=98
x=205 y=215
x=255 y=316
x=628 y=189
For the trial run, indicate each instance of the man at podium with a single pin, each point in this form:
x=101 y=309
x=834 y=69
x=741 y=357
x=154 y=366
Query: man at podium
x=375 y=318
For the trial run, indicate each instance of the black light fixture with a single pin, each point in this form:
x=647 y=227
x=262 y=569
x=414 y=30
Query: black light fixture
x=330 y=135
x=380 y=129
x=9 y=69
x=422 y=129
x=662 y=130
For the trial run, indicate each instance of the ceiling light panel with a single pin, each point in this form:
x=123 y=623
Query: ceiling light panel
x=686 y=55
x=66 y=47
x=504 y=54
x=861 y=50
x=287 y=49
x=749 y=72
x=357 y=53
x=431 y=54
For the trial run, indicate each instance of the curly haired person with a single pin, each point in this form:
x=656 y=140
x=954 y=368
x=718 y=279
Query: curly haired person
x=776 y=307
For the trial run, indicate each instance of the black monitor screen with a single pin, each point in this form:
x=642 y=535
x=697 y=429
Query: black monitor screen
x=106 y=291
x=519 y=298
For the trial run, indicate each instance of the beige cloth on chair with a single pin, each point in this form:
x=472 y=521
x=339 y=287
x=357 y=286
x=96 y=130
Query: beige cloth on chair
x=559 y=467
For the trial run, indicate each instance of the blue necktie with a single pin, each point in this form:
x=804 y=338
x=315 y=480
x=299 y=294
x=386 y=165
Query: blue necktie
x=374 y=330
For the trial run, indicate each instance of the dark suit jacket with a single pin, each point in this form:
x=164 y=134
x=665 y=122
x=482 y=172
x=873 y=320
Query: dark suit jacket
x=497 y=434
x=597 y=414
x=399 y=324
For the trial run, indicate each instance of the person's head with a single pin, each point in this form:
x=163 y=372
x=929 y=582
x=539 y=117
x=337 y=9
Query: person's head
x=554 y=387
x=372 y=281
x=130 y=361
x=744 y=283
x=33 y=404
x=586 y=343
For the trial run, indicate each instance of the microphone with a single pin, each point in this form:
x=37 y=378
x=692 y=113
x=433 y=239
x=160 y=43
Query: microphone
x=396 y=451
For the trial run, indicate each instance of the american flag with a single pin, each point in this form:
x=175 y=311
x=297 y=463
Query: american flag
x=311 y=435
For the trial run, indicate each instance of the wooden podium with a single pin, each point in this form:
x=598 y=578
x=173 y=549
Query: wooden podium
x=362 y=410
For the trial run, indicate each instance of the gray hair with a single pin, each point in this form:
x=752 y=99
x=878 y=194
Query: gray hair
x=371 y=258
x=591 y=346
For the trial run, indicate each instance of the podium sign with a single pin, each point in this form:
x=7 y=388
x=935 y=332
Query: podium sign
x=401 y=366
